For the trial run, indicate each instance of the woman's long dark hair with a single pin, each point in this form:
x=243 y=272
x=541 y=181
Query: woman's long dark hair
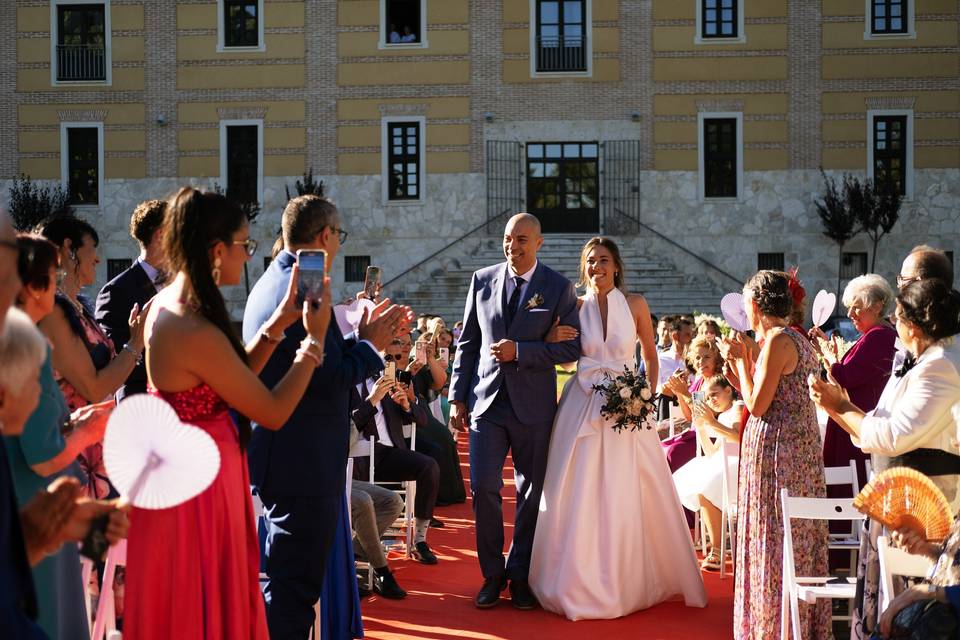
x=196 y=221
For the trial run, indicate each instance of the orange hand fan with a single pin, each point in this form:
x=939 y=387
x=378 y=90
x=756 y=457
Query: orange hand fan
x=903 y=497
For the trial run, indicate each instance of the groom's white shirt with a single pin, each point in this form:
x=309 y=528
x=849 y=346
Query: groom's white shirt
x=512 y=284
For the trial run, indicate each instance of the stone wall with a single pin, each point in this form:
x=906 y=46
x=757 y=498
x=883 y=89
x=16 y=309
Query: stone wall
x=776 y=214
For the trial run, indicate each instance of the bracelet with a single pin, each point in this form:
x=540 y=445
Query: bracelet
x=304 y=351
x=311 y=341
x=265 y=336
x=130 y=350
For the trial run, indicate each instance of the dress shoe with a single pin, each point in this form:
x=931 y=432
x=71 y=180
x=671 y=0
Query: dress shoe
x=422 y=553
x=436 y=524
x=386 y=585
x=489 y=595
x=362 y=590
x=521 y=596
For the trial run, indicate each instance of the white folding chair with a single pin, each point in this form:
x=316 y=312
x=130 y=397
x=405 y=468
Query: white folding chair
x=728 y=510
x=810 y=588
x=361 y=449
x=86 y=570
x=106 y=621
x=897 y=562
x=404 y=527
x=699 y=526
x=846 y=540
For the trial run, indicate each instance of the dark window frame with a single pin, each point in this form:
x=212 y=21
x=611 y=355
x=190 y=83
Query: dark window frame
x=557 y=46
x=398 y=144
x=81 y=50
x=237 y=33
x=721 y=173
x=240 y=171
x=886 y=132
x=773 y=261
x=882 y=14
x=849 y=269
x=712 y=13
x=355 y=268
x=83 y=191
x=417 y=23
x=570 y=170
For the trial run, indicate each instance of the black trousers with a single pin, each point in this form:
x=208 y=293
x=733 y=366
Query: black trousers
x=397 y=465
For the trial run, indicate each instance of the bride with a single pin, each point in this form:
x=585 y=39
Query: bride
x=611 y=537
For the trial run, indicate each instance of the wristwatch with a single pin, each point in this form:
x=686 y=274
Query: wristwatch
x=266 y=337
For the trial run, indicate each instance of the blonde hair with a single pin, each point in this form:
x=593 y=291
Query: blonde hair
x=22 y=351
x=710 y=345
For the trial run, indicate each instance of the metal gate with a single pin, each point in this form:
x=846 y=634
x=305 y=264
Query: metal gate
x=620 y=187
x=504 y=176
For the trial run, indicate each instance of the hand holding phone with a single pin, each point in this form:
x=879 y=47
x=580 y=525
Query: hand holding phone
x=390 y=371
x=421 y=353
x=444 y=355
x=311 y=271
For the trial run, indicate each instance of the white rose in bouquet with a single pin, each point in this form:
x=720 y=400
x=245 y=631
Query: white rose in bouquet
x=635 y=407
x=625 y=393
x=645 y=393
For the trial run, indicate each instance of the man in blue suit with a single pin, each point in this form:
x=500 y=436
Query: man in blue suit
x=504 y=387
x=135 y=286
x=299 y=471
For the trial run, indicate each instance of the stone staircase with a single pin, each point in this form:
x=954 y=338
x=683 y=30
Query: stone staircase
x=440 y=286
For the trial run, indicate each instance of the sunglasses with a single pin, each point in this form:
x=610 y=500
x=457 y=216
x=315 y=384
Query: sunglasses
x=341 y=234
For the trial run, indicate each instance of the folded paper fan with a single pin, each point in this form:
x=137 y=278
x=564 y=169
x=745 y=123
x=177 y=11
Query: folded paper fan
x=731 y=306
x=155 y=460
x=902 y=497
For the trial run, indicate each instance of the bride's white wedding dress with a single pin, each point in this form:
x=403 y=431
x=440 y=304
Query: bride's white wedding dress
x=611 y=537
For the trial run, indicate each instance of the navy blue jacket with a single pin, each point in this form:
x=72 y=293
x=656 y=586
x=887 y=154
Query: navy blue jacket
x=114 y=303
x=307 y=457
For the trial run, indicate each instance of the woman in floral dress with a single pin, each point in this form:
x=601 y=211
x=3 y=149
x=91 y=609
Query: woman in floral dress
x=781 y=449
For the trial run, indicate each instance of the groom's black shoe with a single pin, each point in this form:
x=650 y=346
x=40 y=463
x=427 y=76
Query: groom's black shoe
x=521 y=596
x=489 y=595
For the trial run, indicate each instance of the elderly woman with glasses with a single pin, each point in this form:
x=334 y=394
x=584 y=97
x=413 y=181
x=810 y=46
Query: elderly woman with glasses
x=864 y=369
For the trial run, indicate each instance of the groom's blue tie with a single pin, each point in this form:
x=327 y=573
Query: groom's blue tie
x=514 y=303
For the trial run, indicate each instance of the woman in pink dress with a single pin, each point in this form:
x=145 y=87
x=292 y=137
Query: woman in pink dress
x=194 y=567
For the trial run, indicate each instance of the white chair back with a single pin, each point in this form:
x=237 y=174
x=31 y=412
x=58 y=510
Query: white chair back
x=845 y=476
x=897 y=562
x=793 y=588
x=106 y=621
x=728 y=510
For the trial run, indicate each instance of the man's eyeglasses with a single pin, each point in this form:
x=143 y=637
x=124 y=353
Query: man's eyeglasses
x=341 y=234
x=250 y=245
x=902 y=282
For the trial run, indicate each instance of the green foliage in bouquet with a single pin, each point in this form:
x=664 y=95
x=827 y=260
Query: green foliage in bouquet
x=628 y=401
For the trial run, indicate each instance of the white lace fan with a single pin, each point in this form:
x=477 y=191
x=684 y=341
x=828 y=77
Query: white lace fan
x=155 y=460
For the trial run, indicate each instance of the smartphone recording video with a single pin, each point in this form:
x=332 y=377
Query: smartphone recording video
x=390 y=371
x=371 y=283
x=312 y=269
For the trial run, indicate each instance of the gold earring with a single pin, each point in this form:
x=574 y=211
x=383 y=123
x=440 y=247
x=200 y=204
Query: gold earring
x=216 y=271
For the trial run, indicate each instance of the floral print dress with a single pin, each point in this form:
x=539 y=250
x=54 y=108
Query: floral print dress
x=100 y=348
x=781 y=449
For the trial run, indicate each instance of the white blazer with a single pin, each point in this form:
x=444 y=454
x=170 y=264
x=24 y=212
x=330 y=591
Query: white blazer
x=919 y=410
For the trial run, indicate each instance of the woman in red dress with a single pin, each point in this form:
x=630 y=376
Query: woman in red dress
x=194 y=567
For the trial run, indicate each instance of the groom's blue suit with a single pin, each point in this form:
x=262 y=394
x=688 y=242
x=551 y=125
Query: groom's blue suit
x=512 y=404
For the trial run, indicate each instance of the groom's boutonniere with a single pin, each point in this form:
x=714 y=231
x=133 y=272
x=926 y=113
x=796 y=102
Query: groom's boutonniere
x=535 y=301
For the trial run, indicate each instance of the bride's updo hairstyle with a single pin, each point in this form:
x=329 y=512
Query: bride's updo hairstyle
x=771 y=291
x=932 y=307
x=611 y=246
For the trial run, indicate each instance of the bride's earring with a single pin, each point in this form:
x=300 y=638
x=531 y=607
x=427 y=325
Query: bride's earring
x=216 y=272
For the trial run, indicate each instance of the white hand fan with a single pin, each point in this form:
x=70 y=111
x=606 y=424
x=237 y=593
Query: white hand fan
x=155 y=460
x=349 y=315
x=731 y=306
x=823 y=306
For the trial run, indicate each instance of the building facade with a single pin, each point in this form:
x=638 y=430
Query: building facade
x=694 y=131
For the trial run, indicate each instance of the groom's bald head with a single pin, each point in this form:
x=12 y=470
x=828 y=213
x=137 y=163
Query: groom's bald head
x=521 y=241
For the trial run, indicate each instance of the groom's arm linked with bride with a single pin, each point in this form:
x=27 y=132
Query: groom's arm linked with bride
x=504 y=387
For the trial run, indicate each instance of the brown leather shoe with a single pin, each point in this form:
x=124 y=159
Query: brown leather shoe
x=489 y=595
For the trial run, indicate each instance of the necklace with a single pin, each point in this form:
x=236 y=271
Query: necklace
x=76 y=304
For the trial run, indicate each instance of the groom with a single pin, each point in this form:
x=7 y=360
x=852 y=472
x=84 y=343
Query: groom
x=504 y=387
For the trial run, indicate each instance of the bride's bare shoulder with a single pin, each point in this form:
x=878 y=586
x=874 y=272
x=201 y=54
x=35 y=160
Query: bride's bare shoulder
x=638 y=304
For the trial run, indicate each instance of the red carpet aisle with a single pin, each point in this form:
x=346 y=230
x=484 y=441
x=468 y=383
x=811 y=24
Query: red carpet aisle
x=440 y=601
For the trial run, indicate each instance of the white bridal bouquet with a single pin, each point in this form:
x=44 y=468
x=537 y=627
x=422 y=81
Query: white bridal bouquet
x=628 y=401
